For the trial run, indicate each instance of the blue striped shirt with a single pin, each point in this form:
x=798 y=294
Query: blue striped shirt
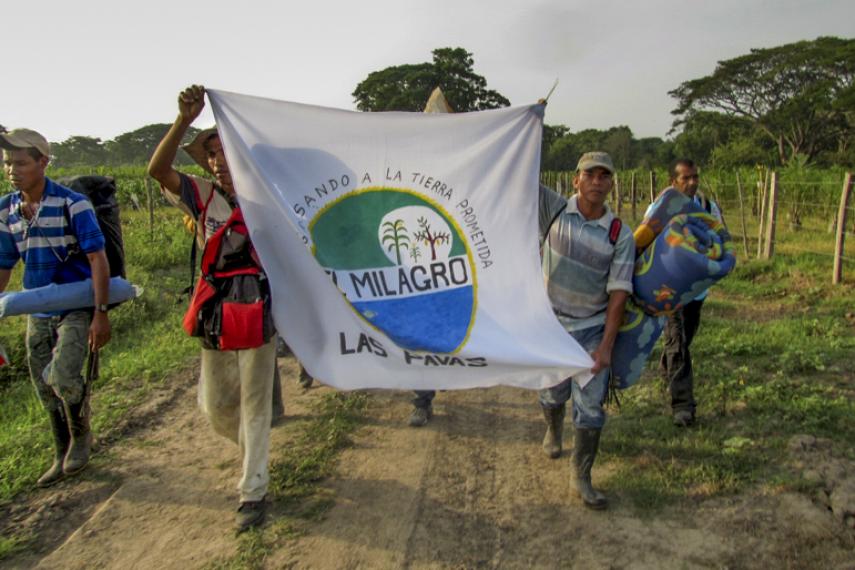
x=64 y=220
x=580 y=265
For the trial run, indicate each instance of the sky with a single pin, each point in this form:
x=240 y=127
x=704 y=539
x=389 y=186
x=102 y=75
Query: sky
x=101 y=68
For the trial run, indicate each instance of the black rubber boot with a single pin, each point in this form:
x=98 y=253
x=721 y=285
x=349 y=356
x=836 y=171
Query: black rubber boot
x=61 y=439
x=81 y=437
x=420 y=416
x=587 y=443
x=553 y=440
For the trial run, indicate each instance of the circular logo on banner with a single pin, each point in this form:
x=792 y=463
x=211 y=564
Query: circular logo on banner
x=402 y=263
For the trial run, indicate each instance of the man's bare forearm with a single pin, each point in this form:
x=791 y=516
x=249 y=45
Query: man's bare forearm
x=100 y=276
x=614 y=317
x=160 y=166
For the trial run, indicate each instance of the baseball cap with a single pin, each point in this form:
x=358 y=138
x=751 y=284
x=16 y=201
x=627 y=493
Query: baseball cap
x=597 y=159
x=18 y=139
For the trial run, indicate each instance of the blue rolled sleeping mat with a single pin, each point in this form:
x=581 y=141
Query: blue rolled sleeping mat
x=690 y=250
x=69 y=296
x=633 y=345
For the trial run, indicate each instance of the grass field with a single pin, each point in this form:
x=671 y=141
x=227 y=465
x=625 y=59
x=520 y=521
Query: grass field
x=147 y=344
x=773 y=359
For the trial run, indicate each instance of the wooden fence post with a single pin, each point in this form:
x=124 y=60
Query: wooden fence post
x=837 y=274
x=652 y=186
x=632 y=195
x=761 y=223
x=617 y=195
x=742 y=215
x=769 y=250
x=150 y=200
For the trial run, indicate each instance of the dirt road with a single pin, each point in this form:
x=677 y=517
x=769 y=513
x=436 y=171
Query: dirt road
x=470 y=490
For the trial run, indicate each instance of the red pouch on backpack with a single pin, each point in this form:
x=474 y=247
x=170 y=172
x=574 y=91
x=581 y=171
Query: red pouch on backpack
x=242 y=325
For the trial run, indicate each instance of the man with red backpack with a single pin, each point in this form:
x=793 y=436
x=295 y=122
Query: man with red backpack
x=230 y=309
x=587 y=261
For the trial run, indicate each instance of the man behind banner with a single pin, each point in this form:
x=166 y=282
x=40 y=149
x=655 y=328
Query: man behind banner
x=676 y=362
x=235 y=388
x=588 y=259
x=55 y=232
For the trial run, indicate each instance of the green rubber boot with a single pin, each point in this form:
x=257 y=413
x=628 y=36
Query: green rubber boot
x=587 y=443
x=553 y=440
x=61 y=439
x=81 y=437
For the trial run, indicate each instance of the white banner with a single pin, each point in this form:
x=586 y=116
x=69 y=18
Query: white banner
x=401 y=248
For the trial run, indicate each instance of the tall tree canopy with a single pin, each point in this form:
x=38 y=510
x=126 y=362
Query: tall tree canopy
x=134 y=147
x=407 y=87
x=799 y=95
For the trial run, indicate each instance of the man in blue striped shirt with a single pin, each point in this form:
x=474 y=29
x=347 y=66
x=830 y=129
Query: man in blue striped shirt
x=55 y=233
x=588 y=260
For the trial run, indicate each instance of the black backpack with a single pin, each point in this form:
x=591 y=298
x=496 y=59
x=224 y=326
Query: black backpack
x=101 y=191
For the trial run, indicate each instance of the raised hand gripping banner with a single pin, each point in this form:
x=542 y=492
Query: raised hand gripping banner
x=401 y=248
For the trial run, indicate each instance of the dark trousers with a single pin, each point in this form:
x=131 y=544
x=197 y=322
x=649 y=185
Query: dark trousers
x=424 y=398
x=676 y=362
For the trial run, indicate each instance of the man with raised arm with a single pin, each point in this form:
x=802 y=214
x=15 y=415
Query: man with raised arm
x=235 y=388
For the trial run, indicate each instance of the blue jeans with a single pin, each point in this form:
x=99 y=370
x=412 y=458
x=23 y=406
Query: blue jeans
x=588 y=412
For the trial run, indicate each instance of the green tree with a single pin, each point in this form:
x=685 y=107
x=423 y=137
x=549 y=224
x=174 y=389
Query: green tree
x=561 y=155
x=79 y=151
x=136 y=147
x=799 y=95
x=618 y=143
x=407 y=87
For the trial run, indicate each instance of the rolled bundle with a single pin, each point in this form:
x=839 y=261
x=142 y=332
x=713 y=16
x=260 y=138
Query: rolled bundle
x=683 y=250
x=692 y=253
x=669 y=203
x=633 y=345
x=66 y=297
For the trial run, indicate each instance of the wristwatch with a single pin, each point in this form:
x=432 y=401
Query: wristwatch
x=102 y=308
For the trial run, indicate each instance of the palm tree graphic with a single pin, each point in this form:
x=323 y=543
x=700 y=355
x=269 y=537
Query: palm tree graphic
x=395 y=233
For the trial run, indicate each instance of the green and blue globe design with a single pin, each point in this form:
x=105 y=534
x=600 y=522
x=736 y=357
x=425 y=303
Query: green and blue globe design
x=403 y=263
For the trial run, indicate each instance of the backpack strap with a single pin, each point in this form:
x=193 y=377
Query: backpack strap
x=204 y=213
x=614 y=230
x=551 y=223
x=194 y=248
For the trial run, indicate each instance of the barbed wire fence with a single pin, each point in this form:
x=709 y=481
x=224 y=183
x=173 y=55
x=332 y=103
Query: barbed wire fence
x=814 y=206
x=804 y=213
